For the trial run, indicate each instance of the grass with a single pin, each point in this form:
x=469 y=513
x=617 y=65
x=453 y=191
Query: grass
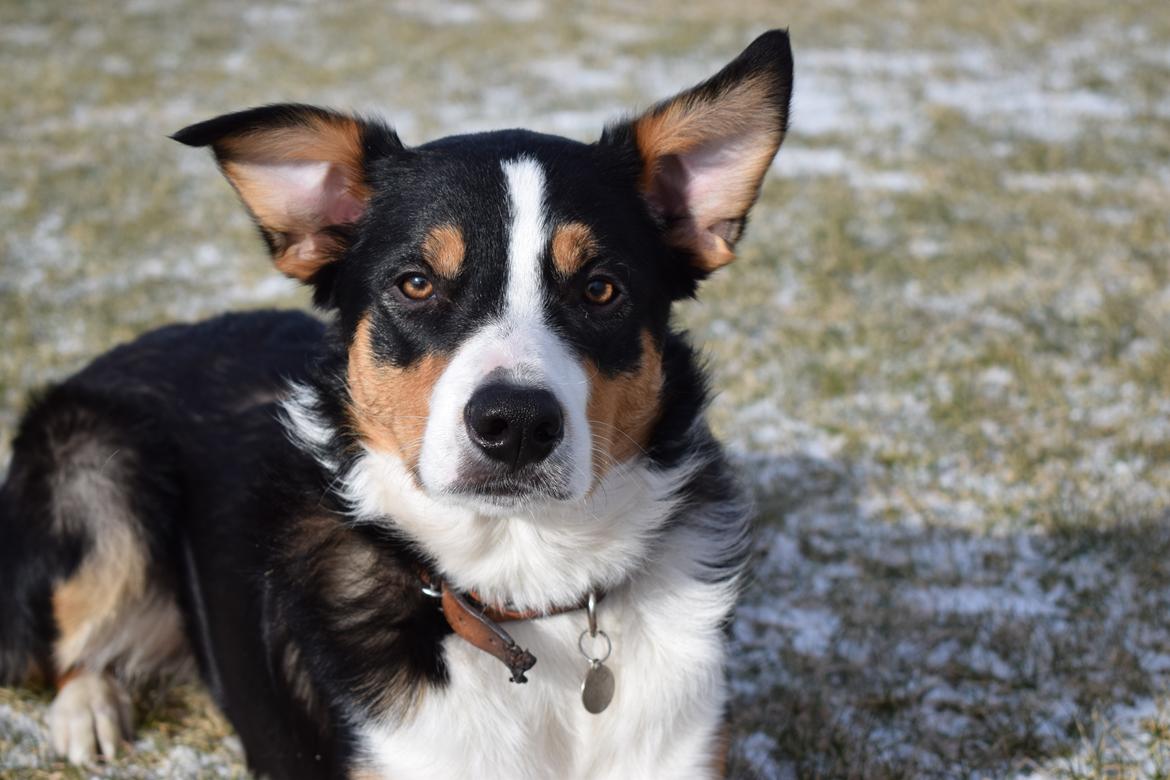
x=942 y=356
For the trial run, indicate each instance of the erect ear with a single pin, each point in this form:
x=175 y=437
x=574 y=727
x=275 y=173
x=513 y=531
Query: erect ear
x=301 y=172
x=704 y=152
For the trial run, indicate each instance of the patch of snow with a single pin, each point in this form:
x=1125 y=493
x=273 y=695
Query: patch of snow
x=270 y=288
x=797 y=161
x=977 y=600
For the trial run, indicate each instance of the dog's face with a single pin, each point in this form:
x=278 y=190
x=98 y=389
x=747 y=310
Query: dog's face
x=505 y=314
x=506 y=295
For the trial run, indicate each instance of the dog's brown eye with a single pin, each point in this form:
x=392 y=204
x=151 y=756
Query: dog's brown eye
x=416 y=287
x=600 y=291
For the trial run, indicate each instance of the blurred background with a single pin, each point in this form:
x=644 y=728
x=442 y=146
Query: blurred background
x=943 y=356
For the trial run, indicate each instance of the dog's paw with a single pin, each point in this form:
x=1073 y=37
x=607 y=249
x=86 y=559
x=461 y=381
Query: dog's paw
x=90 y=715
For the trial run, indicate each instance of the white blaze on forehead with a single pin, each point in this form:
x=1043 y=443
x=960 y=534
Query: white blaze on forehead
x=522 y=344
x=527 y=239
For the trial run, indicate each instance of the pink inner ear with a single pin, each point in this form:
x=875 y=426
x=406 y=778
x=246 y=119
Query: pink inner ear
x=305 y=196
x=705 y=191
x=337 y=203
x=719 y=178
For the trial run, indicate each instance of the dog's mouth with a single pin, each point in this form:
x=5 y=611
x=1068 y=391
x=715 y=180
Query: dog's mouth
x=482 y=485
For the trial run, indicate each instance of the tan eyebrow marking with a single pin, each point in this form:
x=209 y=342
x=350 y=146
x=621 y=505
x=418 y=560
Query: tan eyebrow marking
x=572 y=246
x=443 y=249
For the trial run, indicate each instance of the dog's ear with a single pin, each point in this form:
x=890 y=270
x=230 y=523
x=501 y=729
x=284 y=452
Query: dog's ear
x=301 y=172
x=704 y=152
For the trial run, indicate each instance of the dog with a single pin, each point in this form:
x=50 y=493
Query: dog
x=474 y=523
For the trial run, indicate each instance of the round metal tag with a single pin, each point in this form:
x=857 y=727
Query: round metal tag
x=597 y=690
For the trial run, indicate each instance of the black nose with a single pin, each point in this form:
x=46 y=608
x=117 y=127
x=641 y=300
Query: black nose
x=514 y=425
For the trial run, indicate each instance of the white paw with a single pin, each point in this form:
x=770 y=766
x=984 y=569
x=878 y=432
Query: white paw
x=91 y=714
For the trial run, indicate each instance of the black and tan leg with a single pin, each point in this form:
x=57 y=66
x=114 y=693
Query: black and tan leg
x=86 y=601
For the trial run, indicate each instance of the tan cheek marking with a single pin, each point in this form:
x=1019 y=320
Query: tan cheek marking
x=389 y=405
x=572 y=246
x=622 y=410
x=443 y=249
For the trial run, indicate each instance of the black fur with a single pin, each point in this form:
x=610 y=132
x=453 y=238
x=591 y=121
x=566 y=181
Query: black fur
x=302 y=622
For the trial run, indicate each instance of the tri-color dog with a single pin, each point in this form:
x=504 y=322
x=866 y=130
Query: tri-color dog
x=491 y=466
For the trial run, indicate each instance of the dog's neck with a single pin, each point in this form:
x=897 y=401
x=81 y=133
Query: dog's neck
x=534 y=560
x=479 y=623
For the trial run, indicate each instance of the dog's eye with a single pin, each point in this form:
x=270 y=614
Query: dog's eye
x=599 y=291
x=416 y=287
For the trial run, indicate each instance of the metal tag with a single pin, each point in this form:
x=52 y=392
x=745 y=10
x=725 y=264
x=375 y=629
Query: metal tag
x=597 y=690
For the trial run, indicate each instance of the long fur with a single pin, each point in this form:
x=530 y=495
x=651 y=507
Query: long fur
x=255 y=496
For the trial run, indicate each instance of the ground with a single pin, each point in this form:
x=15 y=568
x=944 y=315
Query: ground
x=943 y=356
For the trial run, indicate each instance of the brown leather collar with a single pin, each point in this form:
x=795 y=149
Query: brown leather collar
x=477 y=623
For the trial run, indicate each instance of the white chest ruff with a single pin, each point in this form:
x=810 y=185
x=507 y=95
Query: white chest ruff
x=664 y=613
x=663 y=721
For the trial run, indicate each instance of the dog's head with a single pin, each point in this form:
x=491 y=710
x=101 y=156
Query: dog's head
x=506 y=295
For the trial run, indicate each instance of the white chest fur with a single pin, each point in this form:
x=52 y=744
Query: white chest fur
x=663 y=613
x=663 y=722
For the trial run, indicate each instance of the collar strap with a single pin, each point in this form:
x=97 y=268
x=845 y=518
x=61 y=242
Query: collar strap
x=477 y=623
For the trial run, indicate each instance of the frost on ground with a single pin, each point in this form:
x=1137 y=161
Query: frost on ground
x=180 y=736
x=943 y=357
x=898 y=649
